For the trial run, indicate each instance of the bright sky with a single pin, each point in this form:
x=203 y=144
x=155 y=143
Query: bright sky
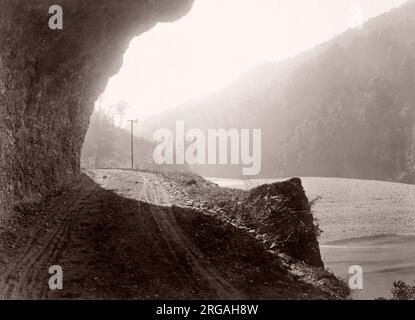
x=220 y=39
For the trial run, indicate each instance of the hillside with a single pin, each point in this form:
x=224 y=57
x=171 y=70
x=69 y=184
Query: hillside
x=107 y=145
x=343 y=109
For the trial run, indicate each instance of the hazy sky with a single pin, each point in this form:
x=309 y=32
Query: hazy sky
x=220 y=39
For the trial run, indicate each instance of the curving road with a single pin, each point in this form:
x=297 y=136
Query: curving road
x=116 y=235
x=101 y=232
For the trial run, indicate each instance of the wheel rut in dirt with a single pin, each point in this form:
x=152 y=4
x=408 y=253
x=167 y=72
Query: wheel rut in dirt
x=117 y=235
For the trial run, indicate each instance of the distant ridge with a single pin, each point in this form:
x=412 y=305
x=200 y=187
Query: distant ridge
x=345 y=108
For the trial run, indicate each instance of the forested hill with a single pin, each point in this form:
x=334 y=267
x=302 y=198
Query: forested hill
x=345 y=108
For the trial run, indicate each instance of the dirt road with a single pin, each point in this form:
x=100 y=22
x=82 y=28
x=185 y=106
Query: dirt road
x=117 y=235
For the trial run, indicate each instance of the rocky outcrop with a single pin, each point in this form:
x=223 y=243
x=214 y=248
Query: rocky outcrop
x=282 y=211
x=278 y=214
x=49 y=80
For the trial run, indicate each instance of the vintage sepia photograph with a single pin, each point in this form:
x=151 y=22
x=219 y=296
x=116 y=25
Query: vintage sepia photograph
x=207 y=150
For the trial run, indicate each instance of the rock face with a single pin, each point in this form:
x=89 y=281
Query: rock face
x=49 y=80
x=282 y=210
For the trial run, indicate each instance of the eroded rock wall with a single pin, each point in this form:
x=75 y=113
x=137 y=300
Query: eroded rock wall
x=282 y=210
x=49 y=80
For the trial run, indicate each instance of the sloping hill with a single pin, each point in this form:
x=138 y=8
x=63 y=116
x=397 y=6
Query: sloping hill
x=343 y=109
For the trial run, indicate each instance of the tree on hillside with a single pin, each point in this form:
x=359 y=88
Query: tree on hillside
x=119 y=109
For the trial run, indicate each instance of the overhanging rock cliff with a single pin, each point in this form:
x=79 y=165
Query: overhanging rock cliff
x=49 y=80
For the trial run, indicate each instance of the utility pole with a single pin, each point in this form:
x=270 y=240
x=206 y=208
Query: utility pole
x=132 y=141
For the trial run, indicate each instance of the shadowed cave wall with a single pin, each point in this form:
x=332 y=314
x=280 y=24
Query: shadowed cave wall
x=50 y=79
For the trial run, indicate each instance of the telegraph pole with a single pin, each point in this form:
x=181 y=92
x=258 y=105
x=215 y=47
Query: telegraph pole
x=132 y=141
